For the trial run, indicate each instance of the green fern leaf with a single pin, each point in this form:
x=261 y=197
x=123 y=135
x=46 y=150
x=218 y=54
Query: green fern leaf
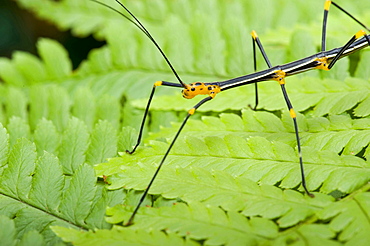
x=7 y=234
x=46 y=137
x=4 y=148
x=198 y=221
x=103 y=143
x=47 y=183
x=30 y=67
x=38 y=99
x=32 y=238
x=311 y=234
x=17 y=177
x=219 y=188
x=256 y=159
x=235 y=161
x=337 y=133
x=102 y=199
x=108 y=108
x=84 y=106
x=36 y=195
x=73 y=146
x=9 y=73
x=118 y=236
x=58 y=107
x=349 y=218
x=18 y=128
x=57 y=63
x=16 y=103
x=79 y=195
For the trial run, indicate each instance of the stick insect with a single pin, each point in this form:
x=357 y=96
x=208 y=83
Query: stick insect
x=324 y=60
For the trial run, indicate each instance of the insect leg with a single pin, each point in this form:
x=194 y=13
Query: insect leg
x=257 y=41
x=325 y=19
x=158 y=83
x=358 y=35
x=280 y=77
x=190 y=113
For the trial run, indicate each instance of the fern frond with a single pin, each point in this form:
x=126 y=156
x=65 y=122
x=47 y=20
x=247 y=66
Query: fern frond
x=349 y=218
x=103 y=143
x=46 y=137
x=17 y=177
x=228 y=146
x=121 y=236
x=202 y=222
x=236 y=167
x=348 y=223
x=220 y=189
x=74 y=144
x=78 y=195
x=8 y=234
x=25 y=69
x=18 y=128
x=47 y=183
x=35 y=193
x=337 y=133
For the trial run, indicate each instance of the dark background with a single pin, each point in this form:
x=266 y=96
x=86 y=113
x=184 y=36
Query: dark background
x=20 y=30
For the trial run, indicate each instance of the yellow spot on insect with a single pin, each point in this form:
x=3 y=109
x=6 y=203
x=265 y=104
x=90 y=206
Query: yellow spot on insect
x=323 y=63
x=292 y=113
x=279 y=77
x=191 y=111
x=360 y=33
x=199 y=88
x=254 y=34
x=158 y=83
x=327 y=5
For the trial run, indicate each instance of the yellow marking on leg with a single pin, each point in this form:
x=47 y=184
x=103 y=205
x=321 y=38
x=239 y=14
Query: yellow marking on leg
x=292 y=113
x=360 y=33
x=323 y=63
x=327 y=5
x=158 y=83
x=191 y=111
x=279 y=76
x=254 y=35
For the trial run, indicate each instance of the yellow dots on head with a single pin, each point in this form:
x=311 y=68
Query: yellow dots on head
x=199 y=88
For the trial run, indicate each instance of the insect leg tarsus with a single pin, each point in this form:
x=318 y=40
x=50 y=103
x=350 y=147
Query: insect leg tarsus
x=156 y=84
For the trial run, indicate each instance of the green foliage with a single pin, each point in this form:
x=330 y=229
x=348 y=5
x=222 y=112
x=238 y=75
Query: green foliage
x=232 y=177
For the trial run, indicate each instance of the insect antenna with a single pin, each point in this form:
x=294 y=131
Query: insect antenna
x=139 y=25
x=354 y=18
